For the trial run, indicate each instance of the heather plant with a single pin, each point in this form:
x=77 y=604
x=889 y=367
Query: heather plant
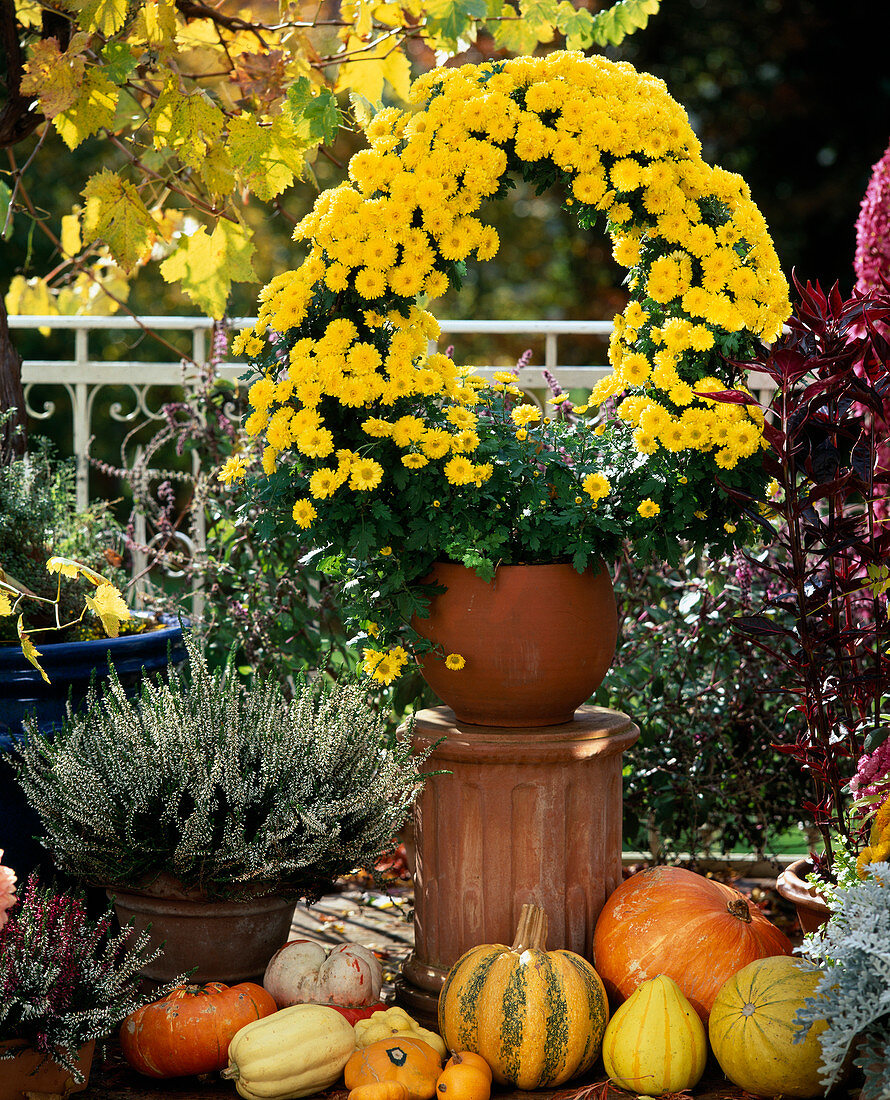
x=825 y=623
x=228 y=787
x=705 y=775
x=65 y=979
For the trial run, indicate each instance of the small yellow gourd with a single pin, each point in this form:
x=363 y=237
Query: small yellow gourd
x=295 y=1052
x=655 y=1043
x=395 y=1022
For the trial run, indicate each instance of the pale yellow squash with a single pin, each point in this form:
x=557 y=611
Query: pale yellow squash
x=655 y=1043
x=295 y=1052
x=752 y=1029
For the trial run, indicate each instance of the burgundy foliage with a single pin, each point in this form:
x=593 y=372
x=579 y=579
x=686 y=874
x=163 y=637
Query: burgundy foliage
x=826 y=623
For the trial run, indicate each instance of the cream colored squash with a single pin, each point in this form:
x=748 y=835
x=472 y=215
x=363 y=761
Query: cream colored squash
x=655 y=1043
x=295 y=1052
x=752 y=1029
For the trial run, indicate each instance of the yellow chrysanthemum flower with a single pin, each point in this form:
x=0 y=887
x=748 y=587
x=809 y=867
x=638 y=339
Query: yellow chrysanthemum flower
x=304 y=513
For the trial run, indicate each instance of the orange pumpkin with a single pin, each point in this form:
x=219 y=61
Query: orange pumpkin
x=466 y=1076
x=411 y=1062
x=190 y=1029
x=667 y=920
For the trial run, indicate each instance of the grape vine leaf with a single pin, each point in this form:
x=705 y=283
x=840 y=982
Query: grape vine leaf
x=316 y=116
x=449 y=21
x=155 y=27
x=217 y=170
x=612 y=26
x=206 y=264
x=105 y=16
x=70 y=235
x=93 y=109
x=54 y=77
x=366 y=74
x=512 y=33
x=539 y=13
x=189 y=124
x=114 y=213
x=267 y=158
x=576 y=24
x=119 y=59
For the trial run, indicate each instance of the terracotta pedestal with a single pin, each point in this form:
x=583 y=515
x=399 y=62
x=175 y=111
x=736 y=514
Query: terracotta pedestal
x=522 y=815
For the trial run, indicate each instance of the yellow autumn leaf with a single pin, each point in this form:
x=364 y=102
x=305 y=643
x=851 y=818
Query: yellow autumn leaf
x=29 y=13
x=30 y=297
x=29 y=650
x=155 y=27
x=115 y=214
x=105 y=16
x=189 y=124
x=206 y=264
x=109 y=605
x=54 y=77
x=5 y=603
x=68 y=567
x=70 y=235
x=93 y=109
x=367 y=71
x=266 y=158
x=217 y=170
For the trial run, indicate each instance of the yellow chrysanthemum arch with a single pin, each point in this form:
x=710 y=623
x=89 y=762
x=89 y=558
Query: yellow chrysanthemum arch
x=704 y=277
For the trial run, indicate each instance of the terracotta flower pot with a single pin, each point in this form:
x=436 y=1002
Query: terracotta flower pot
x=812 y=909
x=19 y=1081
x=537 y=642
x=228 y=941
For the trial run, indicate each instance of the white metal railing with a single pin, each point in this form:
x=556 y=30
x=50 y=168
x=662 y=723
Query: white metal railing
x=83 y=376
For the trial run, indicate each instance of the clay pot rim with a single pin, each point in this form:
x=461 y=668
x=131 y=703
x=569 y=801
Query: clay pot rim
x=166 y=887
x=792 y=885
x=593 y=566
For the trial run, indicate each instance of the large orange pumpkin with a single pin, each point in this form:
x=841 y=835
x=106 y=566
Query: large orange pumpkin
x=667 y=920
x=190 y=1029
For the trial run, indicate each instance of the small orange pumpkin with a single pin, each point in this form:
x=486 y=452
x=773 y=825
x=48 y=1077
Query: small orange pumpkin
x=466 y=1076
x=379 y=1090
x=411 y=1062
x=190 y=1029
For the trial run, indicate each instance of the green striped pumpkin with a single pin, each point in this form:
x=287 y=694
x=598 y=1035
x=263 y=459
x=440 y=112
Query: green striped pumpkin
x=537 y=1017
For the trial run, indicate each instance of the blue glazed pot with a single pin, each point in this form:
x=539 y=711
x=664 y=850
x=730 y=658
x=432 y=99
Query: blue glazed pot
x=23 y=692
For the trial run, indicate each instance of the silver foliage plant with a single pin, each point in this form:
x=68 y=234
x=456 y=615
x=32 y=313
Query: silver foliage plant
x=229 y=787
x=853 y=949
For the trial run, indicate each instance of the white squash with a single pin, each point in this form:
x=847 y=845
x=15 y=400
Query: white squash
x=302 y=972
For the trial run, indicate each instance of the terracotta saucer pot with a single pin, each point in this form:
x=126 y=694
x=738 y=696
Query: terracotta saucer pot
x=227 y=941
x=19 y=1081
x=537 y=642
x=812 y=909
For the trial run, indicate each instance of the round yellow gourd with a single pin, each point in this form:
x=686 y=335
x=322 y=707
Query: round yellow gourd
x=294 y=1052
x=537 y=1017
x=655 y=1043
x=752 y=1029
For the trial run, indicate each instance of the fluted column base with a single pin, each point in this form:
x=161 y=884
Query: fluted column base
x=521 y=815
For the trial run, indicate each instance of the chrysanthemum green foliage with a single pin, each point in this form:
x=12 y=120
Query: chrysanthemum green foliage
x=65 y=979
x=230 y=788
x=854 y=995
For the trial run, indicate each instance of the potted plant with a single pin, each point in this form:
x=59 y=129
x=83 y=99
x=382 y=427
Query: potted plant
x=207 y=806
x=412 y=475
x=825 y=625
x=62 y=616
x=67 y=982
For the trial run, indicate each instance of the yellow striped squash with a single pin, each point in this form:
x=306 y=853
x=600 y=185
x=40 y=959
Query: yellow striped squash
x=537 y=1017
x=752 y=1028
x=655 y=1043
